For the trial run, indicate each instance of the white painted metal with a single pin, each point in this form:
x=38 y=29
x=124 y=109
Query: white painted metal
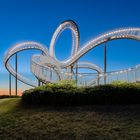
x=18 y=48
x=48 y=68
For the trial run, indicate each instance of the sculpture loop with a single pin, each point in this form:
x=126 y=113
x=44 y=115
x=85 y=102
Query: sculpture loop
x=48 y=68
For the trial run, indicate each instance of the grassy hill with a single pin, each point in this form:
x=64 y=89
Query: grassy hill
x=68 y=123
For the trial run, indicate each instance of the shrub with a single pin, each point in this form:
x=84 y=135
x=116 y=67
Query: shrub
x=70 y=83
x=69 y=94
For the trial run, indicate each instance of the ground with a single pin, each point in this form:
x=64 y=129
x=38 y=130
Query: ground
x=68 y=123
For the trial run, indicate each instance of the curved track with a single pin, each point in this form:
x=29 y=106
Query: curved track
x=42 y=70
x=18 y=48
x=52 y=66
x=75 y=37
x=127 y=33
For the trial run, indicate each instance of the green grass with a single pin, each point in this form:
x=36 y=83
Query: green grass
x=8 y=104
x=68 y=123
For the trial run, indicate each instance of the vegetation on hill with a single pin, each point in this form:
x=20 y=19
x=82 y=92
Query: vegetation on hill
x=67 y=93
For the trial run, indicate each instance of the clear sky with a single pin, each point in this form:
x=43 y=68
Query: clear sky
x=36 y=20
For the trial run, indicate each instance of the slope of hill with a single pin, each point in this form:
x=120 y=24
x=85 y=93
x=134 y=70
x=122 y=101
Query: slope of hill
x=68 y=123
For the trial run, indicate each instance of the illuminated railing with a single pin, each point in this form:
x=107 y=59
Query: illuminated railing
x=131 y=75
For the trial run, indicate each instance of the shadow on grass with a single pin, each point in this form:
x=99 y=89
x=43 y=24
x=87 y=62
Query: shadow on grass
x=69 y=122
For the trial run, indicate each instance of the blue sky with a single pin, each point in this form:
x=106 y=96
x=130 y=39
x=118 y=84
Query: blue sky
x=36 y=20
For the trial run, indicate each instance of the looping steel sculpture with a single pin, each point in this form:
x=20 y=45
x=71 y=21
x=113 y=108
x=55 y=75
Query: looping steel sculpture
x=48 y=68
x=75 y=37
x=18 y=48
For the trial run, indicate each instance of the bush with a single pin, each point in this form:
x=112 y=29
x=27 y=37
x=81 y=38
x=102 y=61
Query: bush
x=70 y=83
x=68 y=94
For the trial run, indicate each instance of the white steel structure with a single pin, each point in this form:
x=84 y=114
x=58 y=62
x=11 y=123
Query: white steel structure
x=47 y=68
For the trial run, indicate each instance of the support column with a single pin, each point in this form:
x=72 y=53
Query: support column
x=50 y=74
x=10 y=93
x=98 y=80
x=105 y=62
x=38 y=82
x=135 y=76
x=71 y=72
x=16 y=73
x=76 y=74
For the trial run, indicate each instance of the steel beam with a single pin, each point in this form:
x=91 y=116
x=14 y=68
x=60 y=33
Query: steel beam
x=10 y=92
x=16 y=68
x=105 y=61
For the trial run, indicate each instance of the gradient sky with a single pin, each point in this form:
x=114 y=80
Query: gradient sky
x=36 y=20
